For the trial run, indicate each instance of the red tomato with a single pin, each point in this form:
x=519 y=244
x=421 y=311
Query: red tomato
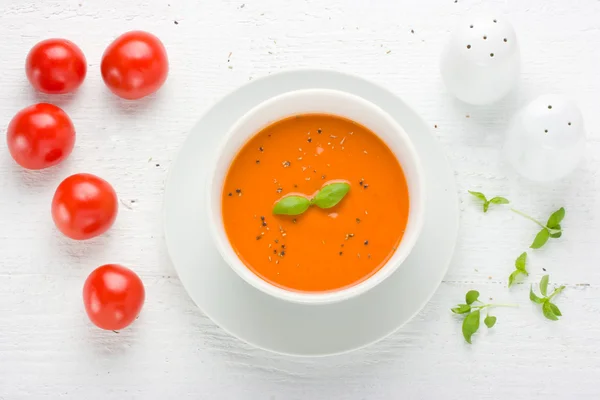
x=40 y=136
x=135 y=65
x=84 y=206
x=55 y=66
x=113 y=296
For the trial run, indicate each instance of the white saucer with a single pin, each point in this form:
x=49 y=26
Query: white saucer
x=295 y=329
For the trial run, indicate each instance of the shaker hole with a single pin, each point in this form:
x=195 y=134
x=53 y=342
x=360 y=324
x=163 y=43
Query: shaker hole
x=545 y=130
x=549 y=107
x=484 y=37
x=468 y=46
x=471 y=26
x=505 y=40
x=569 y=124
x=495 y=21
x=491 y=54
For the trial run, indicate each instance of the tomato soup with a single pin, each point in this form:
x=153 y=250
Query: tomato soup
x=320 y=249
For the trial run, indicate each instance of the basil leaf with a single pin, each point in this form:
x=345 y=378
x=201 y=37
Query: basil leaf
x=461 y=309
x=555 y=309
x=479 y=195
x=330 y=195
x=499 y=200
x=557 y=232
x=471 y=296
x=513 y=277
x=521 y=262
x=556 y=218
x=544 y=285
x=540 y=239
x=548 y=312
x=291 y=205
x=489 y=321
x=470 y=325
x=533 y=297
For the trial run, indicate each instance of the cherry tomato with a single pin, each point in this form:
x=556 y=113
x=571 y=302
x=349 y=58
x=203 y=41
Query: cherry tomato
x=40 y=136
x=113 y=296
x=55 y=66
x=84 y=206
x=135 y=65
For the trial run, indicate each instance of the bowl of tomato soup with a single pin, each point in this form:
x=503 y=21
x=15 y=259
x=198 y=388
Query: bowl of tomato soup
x=316 y=196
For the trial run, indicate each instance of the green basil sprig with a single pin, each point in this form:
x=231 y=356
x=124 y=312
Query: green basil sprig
x=329 y=196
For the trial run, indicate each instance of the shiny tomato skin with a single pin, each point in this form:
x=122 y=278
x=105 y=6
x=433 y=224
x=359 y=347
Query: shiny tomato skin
x=113 y=296
x=84 y=206
x=56 y=66
x=135 y=65
x=40 y=136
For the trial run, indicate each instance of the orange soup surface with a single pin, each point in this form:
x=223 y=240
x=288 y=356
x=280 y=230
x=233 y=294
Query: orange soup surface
x=321 y=249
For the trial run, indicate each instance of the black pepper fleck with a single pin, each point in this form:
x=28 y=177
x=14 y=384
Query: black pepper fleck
x=258 y=237
x=309 y=140
x=283 y=246
x=279 y=190
x=358 y=220
x=282 y=254
x=258 y=161
x=261 y=148
x=361 y=182
x=366 y=186
x=319 y=131
x=158 y=165
x=276 y=241
x=295 y=186
x=286 y=164
x=230 y=194
x=341 y=252
x=322 y=176
x=294 y=221
x=262 y=218
x=366 y=242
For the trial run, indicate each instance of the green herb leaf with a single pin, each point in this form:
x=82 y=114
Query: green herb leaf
x=486 y=205
x=489 y=321
x=291 y=205
x=555 y=309
x=521 y=262
x=499 y=200
x=556 y=218
x=540 y=239
x=548 y=312
x=461 y=309
x=544 y=285
x=479 y=195
x=471 y=296
x=558 y=234
x=470 y=325
x=533 y=297
x=330 y=195
x=512 y=278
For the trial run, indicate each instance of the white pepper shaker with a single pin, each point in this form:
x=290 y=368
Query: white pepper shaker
x=546 y=139
x=481 y=61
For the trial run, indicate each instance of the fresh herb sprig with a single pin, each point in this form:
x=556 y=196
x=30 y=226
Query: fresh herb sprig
x=520 y=269
x=486 y=202
x=472 y=308
x=550 y=310
x=552 y=229
x=329 y=196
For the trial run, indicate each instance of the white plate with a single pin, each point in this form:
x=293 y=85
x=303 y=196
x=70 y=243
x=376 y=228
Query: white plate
x=276 y=325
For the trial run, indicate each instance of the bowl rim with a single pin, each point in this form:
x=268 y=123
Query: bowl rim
x=229 y=255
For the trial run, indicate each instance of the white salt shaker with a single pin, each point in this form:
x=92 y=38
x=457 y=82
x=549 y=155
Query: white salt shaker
x=481 y=61
x=546 y=139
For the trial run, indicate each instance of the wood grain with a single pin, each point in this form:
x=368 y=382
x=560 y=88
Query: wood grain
x=48 y=349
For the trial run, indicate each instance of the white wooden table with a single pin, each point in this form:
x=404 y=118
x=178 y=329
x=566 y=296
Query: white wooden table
x=49 y=350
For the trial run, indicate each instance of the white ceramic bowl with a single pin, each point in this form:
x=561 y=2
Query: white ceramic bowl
x=325 y=102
